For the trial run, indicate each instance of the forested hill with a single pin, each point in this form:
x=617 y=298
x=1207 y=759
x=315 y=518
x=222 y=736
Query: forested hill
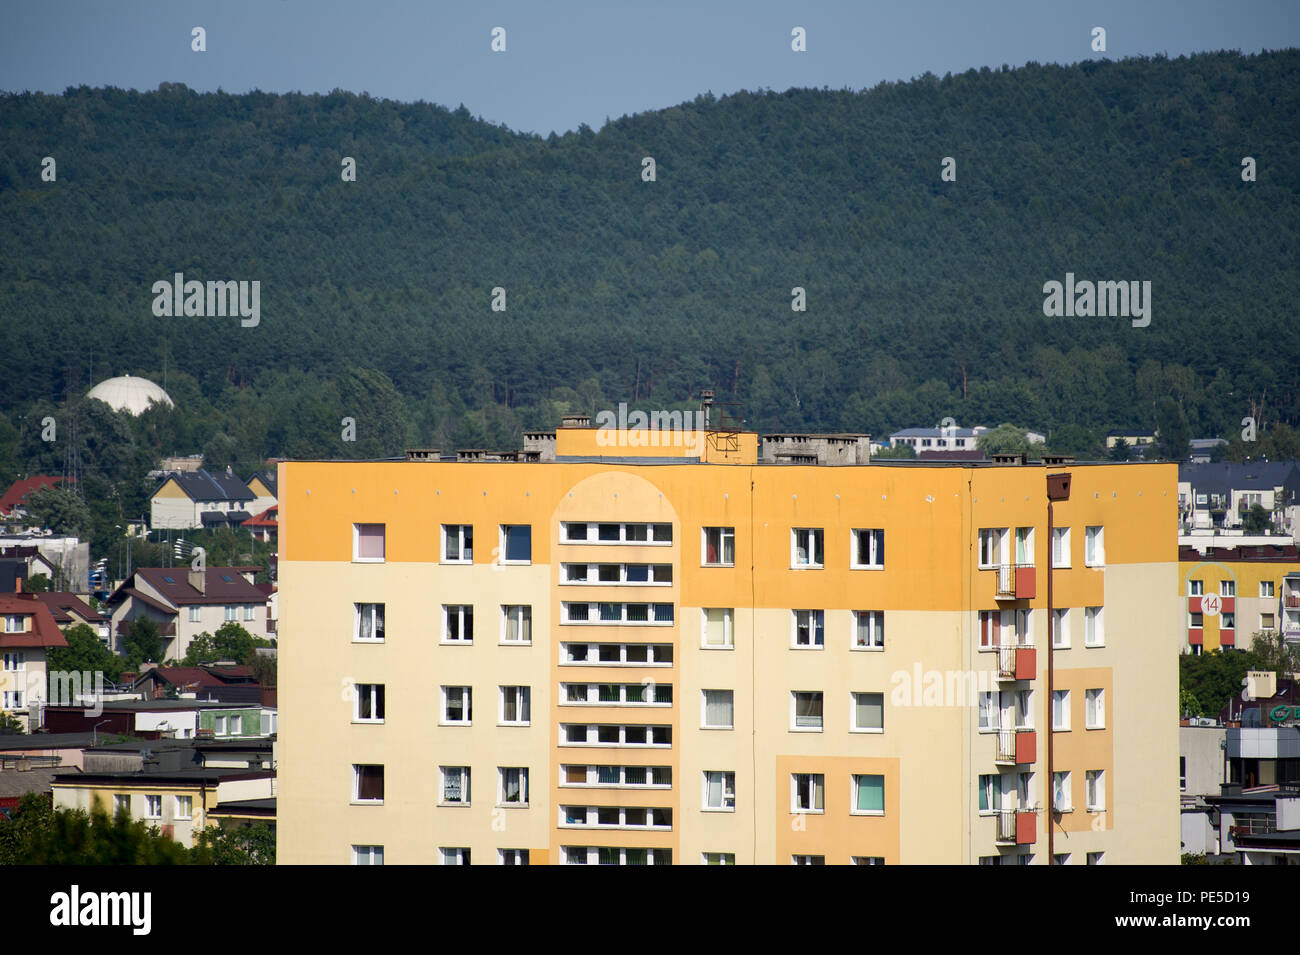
x=924 y=297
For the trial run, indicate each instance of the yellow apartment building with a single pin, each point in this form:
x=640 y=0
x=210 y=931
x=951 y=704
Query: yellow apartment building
x=654 y=653
x=1230 y=593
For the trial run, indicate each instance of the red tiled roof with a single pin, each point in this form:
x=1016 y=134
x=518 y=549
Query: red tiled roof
x=268 y=518
x=42 y=631
x=199 y=676
x=174 y=584
x=64 y=605
x=21 y=488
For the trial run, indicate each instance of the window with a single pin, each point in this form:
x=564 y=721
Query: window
x=516 y=543
x=1094 y=547
x=1061 y=710
x=868 y=630
x=1266 y=589
x=988 y=710
x=250 y=612
x=458 y=623
x=1195 y=588
x=457 y=705
x=1095 y=709
x=1024 y=545
x=15 y=661
x=1061 y=858
x=1267 y=622
x=1096 y=858
x=1061 y=798
x=367 y=783
x=457 y=856
x=604 y=575
x=807 y=860
x=718 y=628
x=121 y=803
x=719 y=790
x=368 y=542
x=718 y=707
x=1025 y=789
x=16 y=623
x=992 y=546
x=990 y=793
x=719 y=858
x=1093 y=632
x=236 y=725
x=616 y=654
x=1024 y=709
x=807 y=792
x=806 y=547
x=1182 y=772
x=184 y=808
x=513 y=856
x=718 y=546
x=219 y=726
x=868 y=795
x=368 y=703
x=515 y=709
x=868 y=549
x=517 y=623
x=232 y=613
x=990 y=629
x=615 y=734
x=1228 y=588
x=578 y=532
x=617 y=614
x=196 y=614
x=1061 y=628
x=369 y=623
x=1060 y=547
x=809 y=629
x=367 y=855
x=455 y=785
x=1195 y=621
x=13 y=700
x=868 y=713
x=647 y=693
x=868 y=860
x=1024 y=628
x=1095 y=780
x=514 y=786
x=458 y=543
x=1228 y=621
x=806 y=710
x=153 y=807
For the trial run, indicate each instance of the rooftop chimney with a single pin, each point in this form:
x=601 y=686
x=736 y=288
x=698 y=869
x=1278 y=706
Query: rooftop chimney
x=576 y=421
x=198 y=580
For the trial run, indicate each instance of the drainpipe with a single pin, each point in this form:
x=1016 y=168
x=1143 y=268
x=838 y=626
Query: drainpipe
x=1058 y=489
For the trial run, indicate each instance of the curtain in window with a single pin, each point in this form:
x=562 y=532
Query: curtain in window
x=807 y=709
x=715 y=627
x=715 y=790
x=711 y=546
x=871 y=793
x=370 y=541
x=607 y=775
x=370 y=782
x=870 y=710
x=717 y=707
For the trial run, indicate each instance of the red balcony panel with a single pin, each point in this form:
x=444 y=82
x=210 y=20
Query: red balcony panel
x=1194 y=604
x=1026 y=828
x=1229 y=604
x=1026 y=582
x=1026 y=663
x=1195 y=636
x=1228 y=638
x=1026 y=747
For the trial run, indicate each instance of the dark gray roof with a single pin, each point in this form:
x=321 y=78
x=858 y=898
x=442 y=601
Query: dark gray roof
x=247 y=807
x=37 y=780
x=268 y=478
x=202 y=486
x=1224 y=476
x=12 y=741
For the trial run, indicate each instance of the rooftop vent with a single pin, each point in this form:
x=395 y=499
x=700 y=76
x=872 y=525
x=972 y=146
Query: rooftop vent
x=1016 y=458
x=576 y=421
x=423 y=454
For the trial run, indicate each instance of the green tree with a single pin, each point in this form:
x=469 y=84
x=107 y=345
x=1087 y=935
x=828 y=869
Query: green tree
x=38 y=584
x=143 y=643
x=38 y=834
x=1173 y=432
x=1188 y=704
x=1257 y=520
x=240 y=845
x=1004 y=439
x=84 y=654
x=59 y=509
x=10 y=725
x=901 y=452
x=1121 y=451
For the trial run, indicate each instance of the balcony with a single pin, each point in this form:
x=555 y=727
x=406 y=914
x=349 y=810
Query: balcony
x=1016 y=827
x=1016 y=582
x=1015 y=746
x=1017 y=662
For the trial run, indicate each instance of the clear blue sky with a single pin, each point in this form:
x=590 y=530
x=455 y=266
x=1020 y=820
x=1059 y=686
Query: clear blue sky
x=569 y=62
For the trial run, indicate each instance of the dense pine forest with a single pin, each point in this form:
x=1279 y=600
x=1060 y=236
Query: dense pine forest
x=924 y=296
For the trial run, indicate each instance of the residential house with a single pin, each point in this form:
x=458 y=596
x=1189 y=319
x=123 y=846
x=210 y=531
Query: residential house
x=11 y=502
x=1227 y=594
x=66 y=559
x=262 y=486
x=1214 y=498
x=27 y=633
x=69 y=610
x=263 y=524
x=190 y=500
x=186 y=602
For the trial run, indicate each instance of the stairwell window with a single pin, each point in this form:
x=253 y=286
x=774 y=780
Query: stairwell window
x=1061 y=710
x=368 y=543
x=717 y=625
x=1094 y=554
x=868 y=549
x=1095 y=710
x=718 y=710
x=1061 y=547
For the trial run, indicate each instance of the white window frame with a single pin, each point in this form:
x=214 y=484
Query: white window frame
x=728 y=629
x=183 y=807
x=1094 y=544
x=121 y=801
x=1096 y=858
x=232 y=613
x=704 y=710
x=15 y=661
x=458 y=855
x=875 y=621
x=1063 y=711
x=1023 y=557
x=356 y=543
x=1094 y=621
x=853 y=712
x=512 y=857
x=1024 y=709
x=717 y=858
x=356 y=786
x=724 y=535
x=1094 y=712
x=501 y=544
x=992 y=542
x=653 y=651
x=458 y=531
x=196 y=614
x=153 y=806
x=367 y=855
x=1195 y=588
x=1061 y=628
x=813 y=536
x=805 y=859
x=988 y=711
x=236 y=724
x=816 y=784
x=657 y=575
x=592 y=531
x=459 y=612
x=468 y=705
x=990 y=788
x=657 y=614
x=374 y=692
x=250 y=612
x=1267 y=590
x=523 y=703
x=591 y=735
x=727 y=790
x=1095 y=790
x=1066 y=802
x=1061 y=554
x=524 y=613
x=794 y=711
x=1227 y=588
x=359 y=612
x=219 y=726
x=875 y=548
x=502 y=777
x=814 y=629
x=466 y=780
x=853 y=795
